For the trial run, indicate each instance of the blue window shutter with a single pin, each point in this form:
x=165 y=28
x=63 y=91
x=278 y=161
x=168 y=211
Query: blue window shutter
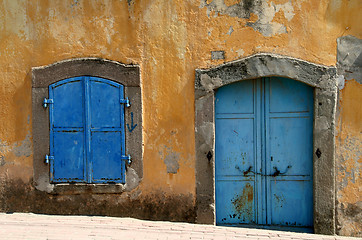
x=67 y=131
x=106 y=127
x=87 y=136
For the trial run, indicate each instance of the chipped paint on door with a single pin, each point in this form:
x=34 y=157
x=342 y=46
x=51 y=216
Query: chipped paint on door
x=263 y=165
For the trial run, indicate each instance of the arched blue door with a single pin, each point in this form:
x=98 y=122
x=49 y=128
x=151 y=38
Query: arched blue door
x=264 y=153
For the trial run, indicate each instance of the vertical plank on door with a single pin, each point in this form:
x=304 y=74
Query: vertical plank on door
x=289 y=138
x=235 y=152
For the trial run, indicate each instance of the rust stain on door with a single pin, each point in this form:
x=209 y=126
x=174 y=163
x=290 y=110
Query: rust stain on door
x=243 y=204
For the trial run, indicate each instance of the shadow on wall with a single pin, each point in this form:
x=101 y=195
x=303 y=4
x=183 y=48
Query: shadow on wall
x=16 y=196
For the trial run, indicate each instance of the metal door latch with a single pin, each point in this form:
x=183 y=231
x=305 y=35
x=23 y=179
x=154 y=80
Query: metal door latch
x=46 y=102
x=277 y=171
x=127 y=158
x=245 y=173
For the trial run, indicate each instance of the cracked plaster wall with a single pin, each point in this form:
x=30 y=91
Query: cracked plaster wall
x=349 y=138
x=264 y=11
x=168 y=40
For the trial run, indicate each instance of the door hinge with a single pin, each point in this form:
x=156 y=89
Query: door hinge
x=47 y=101
x=126 y=101
x=48 y=158
x=127 y=158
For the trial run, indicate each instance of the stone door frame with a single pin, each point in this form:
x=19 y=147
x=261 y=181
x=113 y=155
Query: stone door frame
x=322 y=78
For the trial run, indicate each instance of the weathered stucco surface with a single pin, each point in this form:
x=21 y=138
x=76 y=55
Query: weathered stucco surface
x=349 y=139
x=168 y=40
x=349 y=164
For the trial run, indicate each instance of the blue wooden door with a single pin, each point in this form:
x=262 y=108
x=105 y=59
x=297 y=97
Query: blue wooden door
x=87 y=139
x=263 y=167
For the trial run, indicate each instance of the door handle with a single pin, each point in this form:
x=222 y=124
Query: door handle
x=277 y=171
x=245 y=172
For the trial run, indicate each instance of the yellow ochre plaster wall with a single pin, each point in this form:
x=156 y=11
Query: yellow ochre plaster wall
x=349 y=161
x=168 y=39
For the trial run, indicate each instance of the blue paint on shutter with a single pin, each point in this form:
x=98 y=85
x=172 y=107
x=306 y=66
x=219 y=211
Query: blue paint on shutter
x=263 y=150
x=107 y=131
x=87 y=131
x=67 y=131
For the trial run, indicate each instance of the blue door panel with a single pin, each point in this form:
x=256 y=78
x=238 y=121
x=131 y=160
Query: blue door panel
x=289 y=151
x=287 y=95
x=237 y=204
x=263 y=142
x=236 y=152
x=290 y=140
x=68 y=103
x=106 y=157
x=68 y=164
x=292 y=203
x=230 y=99
x=104 y=104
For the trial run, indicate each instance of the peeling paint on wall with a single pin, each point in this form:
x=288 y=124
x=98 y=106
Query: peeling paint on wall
x=349 y=57
x=2 y=161
x=349 y=161
x=4 y=147
x=17 y=19
x=18 y=149
x=171 y=159
x=350 y=170
x=231 y=30
x=168 y=40
x=265 y=12
x=23 y=148
x=349 y=140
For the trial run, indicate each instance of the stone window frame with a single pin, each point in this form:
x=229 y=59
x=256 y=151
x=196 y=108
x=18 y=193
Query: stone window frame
x=324 y=79
x=129 y=77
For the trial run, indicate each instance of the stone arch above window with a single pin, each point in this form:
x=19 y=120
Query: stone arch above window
x=126 y=75
x=324 y=81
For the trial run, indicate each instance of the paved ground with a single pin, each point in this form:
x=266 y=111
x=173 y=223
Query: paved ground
x=35 y=226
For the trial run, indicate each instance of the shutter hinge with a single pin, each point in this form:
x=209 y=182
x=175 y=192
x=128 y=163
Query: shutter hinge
x=126 y=101
x=127 y=158
x=48 y=158
x=47 y=101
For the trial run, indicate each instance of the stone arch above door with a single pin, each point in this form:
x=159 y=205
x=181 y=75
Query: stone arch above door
x=322 y=78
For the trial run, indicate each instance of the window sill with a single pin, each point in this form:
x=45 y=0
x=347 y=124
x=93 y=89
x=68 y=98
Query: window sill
x=81 y=188
x=132 y=181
